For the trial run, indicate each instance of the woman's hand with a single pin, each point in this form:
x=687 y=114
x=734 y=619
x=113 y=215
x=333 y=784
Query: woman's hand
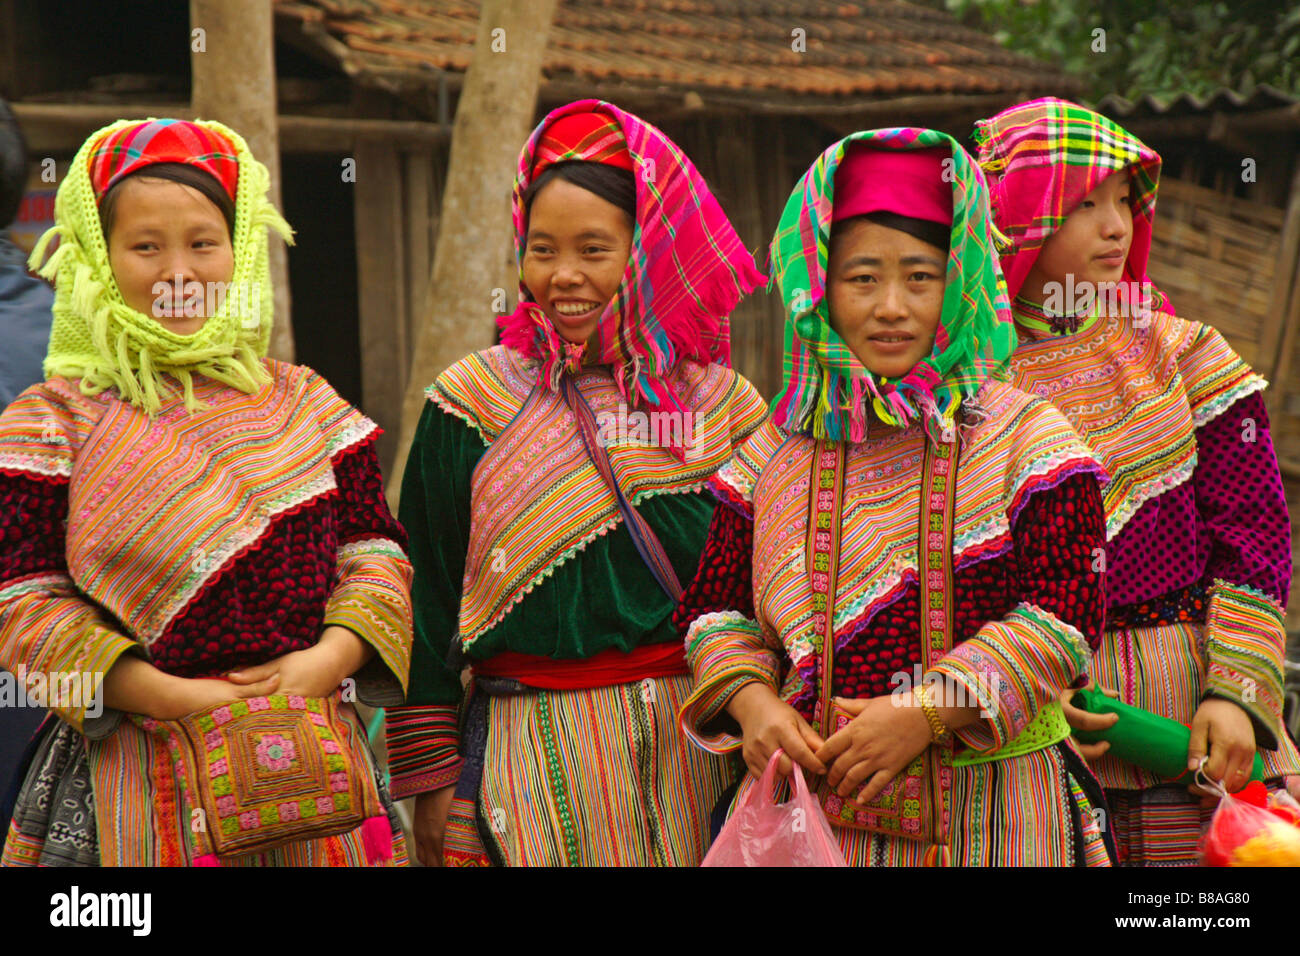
x=1231 y=739
x=191 y=695
x=884 y=736
x=429 y=823
x=1084 y=720
x=317 y=671
x=135 y=686
x=767 y=724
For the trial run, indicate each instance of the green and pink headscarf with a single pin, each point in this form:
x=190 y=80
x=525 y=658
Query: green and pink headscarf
x=686 y=272
x=828 y=392
x=1042 y=158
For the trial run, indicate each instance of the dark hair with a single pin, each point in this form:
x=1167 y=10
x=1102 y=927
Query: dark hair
x=612 y=184
x=13 y=165
x=935 y=233
x=182 y=173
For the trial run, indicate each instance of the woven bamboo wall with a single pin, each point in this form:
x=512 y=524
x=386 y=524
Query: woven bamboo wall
x=1215 y=257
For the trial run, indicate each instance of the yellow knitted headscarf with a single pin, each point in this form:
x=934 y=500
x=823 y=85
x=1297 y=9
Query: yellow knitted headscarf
x=97 y=338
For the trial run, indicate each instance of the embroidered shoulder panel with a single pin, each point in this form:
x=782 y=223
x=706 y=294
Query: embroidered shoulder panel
x=537 y=499
x=485 y=389
x=157 y=507
x=1135 y=395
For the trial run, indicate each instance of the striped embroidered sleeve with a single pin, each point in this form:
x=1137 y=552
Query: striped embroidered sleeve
x=55 y=641
x=1016 y=665
x=423 y=742
x=1242 y=508
x=372 y=590
x=724 y=643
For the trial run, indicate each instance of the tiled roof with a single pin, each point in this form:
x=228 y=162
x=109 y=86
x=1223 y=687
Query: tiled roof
x=864 y=49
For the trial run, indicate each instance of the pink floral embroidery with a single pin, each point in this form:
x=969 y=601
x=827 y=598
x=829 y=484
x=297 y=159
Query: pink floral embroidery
x=221 y=715
x=289 y=811
x=226 y=805
x=297 y=703
x=324 y=805
x=213 y=739
x=338 y=781
x=258 y=703
x=332 y=748
x=218 y=768
x=275 y=752
x=250 y=820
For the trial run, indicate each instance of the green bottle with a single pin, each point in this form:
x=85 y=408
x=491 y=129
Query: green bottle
x=1154 y=743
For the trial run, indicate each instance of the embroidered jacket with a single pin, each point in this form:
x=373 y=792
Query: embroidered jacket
x=518 y=544
x=1196 y=520
x=204 y=542
x=1028 y=522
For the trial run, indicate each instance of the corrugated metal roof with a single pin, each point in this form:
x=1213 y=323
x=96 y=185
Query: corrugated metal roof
x=1263 y=97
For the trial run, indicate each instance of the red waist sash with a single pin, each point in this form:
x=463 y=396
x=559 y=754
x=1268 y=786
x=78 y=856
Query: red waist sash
x=610 y=666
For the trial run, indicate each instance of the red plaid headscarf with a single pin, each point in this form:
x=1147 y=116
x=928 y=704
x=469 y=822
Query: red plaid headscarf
x=1041 y=158
x=590 y=137
x=150 y=142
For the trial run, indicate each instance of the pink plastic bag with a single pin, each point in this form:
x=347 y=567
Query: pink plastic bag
x=764 y=833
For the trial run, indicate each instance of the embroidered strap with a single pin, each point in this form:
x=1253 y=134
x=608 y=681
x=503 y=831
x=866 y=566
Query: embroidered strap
x=643 y=536
x=1046 y=729
x=934 y=549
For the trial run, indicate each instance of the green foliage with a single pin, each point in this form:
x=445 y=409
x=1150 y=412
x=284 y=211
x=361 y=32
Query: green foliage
x=1151 y=47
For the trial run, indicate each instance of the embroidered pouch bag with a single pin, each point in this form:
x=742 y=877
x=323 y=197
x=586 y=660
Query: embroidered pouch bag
x=268 y=771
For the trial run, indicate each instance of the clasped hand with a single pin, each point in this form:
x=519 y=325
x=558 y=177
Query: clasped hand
x=884 y=736
x=316 y=671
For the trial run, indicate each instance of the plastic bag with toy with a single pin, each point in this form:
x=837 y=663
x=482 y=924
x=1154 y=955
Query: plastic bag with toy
x=1253 y=828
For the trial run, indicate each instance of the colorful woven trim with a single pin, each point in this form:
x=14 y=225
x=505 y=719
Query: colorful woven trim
x=827 y=390
x=1041 y=158
x=1244 y=643
x=686 y=272
x=99 y=340
x=725 y=651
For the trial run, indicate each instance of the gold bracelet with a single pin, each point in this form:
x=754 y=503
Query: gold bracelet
x=937 y=729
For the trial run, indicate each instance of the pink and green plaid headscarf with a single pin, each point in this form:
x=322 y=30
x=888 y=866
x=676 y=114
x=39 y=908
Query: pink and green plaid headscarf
x=1041 y=158
x=827 y=389
x=686 y=272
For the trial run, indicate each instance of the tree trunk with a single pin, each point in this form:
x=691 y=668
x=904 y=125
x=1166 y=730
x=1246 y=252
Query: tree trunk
x=232 y=59
x=472 y=258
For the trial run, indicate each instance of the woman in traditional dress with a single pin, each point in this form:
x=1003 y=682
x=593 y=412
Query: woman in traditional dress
x=921 y=536
x=554 y=502
x=1198 y=545
x=185 y=523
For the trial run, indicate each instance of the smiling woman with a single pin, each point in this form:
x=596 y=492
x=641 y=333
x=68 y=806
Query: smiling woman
x=550 y=557
x=198 y=531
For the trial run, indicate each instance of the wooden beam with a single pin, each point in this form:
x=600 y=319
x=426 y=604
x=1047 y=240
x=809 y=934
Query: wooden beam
x=62 y=127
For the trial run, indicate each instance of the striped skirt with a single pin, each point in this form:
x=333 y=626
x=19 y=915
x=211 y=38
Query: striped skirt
x=595 y=777
x=114 y=802
x=1161 y=669
x=1031 y=810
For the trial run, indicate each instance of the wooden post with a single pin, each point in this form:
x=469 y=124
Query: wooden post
x=1277 y=338
x=381 y=289
x=232 y=59
x=474 y=234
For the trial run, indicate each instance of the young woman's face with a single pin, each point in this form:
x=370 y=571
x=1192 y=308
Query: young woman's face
x=575 y=256
x=161 y=231
x=885 y=290
x=1091 y=245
